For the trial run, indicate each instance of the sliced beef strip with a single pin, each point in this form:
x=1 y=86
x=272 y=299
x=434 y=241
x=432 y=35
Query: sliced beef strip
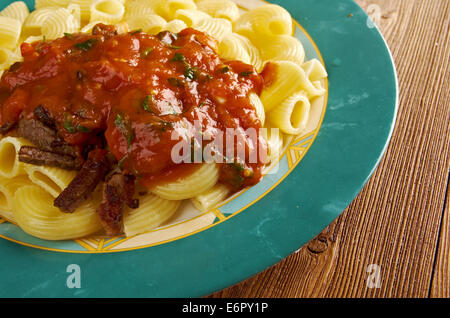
x=41 y=157
x=117 y=191
x=44 y=116
x=92 y=172
x=44 y=137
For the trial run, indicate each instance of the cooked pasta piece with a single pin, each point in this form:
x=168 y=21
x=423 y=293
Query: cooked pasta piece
x=269 y=19
x=259 y=107
x=8 y=57
x=8 y=188
x=291 y=116
x=133 y=7
x=175 y=26
x=140 y=8
x=289 y=78
x=75 y=10
x=88 y=27
x=107 y=11
x=275 y=144
x=191 y=17
x=50 y=3
x=314 y=70
x=170 y=7
x=122 y=27
x=219 y=9
x=33 y=23
x=237 y=47
x=35 y=214
x=232 y=48
x=217 y=28
x=210 y=198
x=282 y=48
x=188 y=187
x=151 y=23
x=152 y=212
x=17 y=10
x=33 y=38
x=10 y=166
x=53 y=180
x=59 y=22
x=10 y=30
x=85 y=9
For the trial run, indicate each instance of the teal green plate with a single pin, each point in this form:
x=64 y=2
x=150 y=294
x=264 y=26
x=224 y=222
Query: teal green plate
x=356 y=128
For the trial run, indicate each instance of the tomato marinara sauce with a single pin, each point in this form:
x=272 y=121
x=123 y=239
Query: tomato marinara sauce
x=129 y=92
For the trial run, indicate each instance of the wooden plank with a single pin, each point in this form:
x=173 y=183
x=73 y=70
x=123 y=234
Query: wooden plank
x=440 y=287
x=395 y=221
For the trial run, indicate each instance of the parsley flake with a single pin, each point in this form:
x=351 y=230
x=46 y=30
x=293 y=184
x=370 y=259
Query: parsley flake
x=86 y=45
x=246 y=73
x=146 y=104
x=178 y=57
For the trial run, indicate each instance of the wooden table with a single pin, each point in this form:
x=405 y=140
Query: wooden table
x=401 y=219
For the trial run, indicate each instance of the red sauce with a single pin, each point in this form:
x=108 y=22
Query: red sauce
x=136 y=89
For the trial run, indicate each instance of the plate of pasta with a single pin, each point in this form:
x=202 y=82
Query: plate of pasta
x=187 y=144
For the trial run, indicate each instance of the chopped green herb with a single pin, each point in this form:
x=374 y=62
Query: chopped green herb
x=146 y=104
x=68 y=124
x=224 y=69
x=71 y=128
x=119 y=120
x=122 y=161
x=178 y=57
x=237 y=181
x=86 y=45
x=238 y=166
x=191 y=73
x=83 y=129
x=130 y=138
x=165 y=125
x=246 y=73
x=136 y=31
x=146 y=52
x=174 y=47
x=68 y=35
x=175 y=82
x=125 y=128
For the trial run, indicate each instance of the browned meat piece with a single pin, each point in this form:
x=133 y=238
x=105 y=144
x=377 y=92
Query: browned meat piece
x=45 y=137
x=44 y=116
x=6 y=127
x=40 y=157
x=92 y=172
x=118 y=190
x=108 y=31
x=128 y=191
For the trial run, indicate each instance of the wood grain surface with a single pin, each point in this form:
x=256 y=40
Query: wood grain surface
x=400 y=221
